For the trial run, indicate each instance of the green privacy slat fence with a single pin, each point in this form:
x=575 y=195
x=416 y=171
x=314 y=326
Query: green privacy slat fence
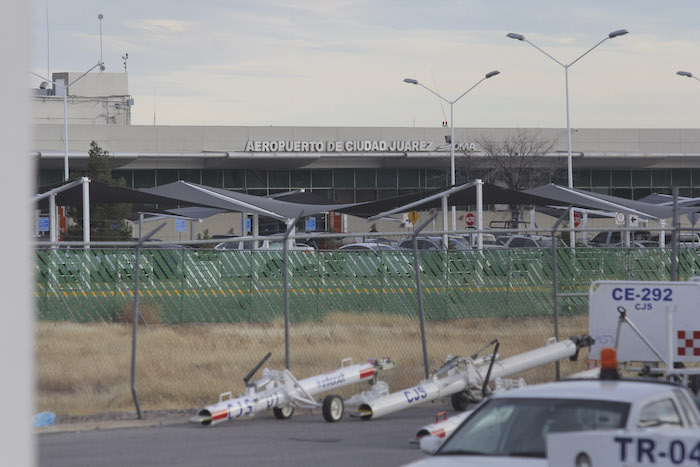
x=209 y=286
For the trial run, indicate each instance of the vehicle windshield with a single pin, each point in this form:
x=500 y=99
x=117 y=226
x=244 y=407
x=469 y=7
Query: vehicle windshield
x=519 y=427
x=546 y=242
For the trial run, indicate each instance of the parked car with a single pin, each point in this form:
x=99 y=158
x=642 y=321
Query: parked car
x=267 y=261
x=511 y=428
x=365 y=247
x=242 y=244
x=685 y=240
x=374 y=260
x=430 y=243
x=527 y=241
x=609 y=238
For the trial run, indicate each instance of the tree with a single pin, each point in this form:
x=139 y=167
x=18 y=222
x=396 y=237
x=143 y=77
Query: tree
x=107 y=221
x=521 y=160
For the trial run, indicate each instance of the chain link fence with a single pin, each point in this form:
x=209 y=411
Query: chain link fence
x=207 y=316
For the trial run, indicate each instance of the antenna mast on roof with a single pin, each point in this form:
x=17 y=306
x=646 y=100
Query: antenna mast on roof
x=48 y=55
x=100 y=16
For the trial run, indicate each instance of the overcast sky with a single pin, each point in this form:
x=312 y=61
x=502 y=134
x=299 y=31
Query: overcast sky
x=341 y=63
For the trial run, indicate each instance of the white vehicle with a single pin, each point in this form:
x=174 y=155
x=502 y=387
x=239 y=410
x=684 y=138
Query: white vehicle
x=527 y=241
x=511 y=428
x=241 y=261
x=367 y=246
x=246 y=244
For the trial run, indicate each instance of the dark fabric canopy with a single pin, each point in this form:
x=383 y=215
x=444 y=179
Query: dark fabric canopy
x=492 y=194
x=302 y=197
x=239 y=202
x=580 y=198
x=103 y=193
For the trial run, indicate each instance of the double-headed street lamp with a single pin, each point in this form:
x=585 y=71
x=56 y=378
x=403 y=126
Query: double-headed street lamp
x=687 y=74
x=612 y=35
x=65 y=88
x=452 y=130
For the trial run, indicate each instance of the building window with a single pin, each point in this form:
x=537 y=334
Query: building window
x=660 y=178
x=50 y=177
x=365 y=178
x=435 y=177
x=324 y=193
x=345 y=196
x=279 y=179
x=256 y=179
x=144 y=178
x=127 y=175
x=234 y=179
x=362 y=196
x=386 y=178
x=191 y=175
x=696 y=177
x=600 y=178
x=301 y=178
x=582 y=178
x=680 y=177
x=321 y=178
x=641 y=178
x=344 y=178
x=639 y=193
x=621 y=178
x=213 y=178
x=165 y=176
x=622 y=192
x=409 y=178
x=386 y=193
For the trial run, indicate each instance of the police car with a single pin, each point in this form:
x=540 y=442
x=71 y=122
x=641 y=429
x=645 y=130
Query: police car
x=512 y=428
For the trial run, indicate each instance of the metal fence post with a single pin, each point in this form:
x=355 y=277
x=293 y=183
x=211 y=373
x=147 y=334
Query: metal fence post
x=674 y=236
x=419 y=290
x=555 y=284
x=135 y=317
x=285 y=274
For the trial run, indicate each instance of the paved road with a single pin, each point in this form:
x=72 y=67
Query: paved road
x=261 y=441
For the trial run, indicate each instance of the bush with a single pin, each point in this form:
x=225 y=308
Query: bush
x=150 y=313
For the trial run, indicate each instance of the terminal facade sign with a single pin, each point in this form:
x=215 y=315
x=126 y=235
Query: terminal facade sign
x=352 y=146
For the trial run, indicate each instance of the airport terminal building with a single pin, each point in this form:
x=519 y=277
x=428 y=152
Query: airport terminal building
x=346 y=164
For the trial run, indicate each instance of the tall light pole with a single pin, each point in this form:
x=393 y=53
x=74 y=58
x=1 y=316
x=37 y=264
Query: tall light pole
x=612 y=35
x=687 y=74
x=65 y=88
x=452 y=130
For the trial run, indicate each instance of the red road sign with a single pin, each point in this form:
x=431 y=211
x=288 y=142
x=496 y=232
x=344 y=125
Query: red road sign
x=469 y=219
x=577 y=219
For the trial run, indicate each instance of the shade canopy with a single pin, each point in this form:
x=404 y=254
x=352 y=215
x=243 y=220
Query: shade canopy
x=580 y=198
x=201 y=195
x=460 y=195
x=103 y=193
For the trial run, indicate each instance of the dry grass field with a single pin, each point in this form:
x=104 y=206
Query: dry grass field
x=85 y=368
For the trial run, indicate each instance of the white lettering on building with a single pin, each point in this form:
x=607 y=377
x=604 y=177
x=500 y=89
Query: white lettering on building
x=354 y=146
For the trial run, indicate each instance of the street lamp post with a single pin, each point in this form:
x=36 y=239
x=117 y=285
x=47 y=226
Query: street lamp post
x=612 y=35
x=452 y=133
x=687 y=74
x=65 y=88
